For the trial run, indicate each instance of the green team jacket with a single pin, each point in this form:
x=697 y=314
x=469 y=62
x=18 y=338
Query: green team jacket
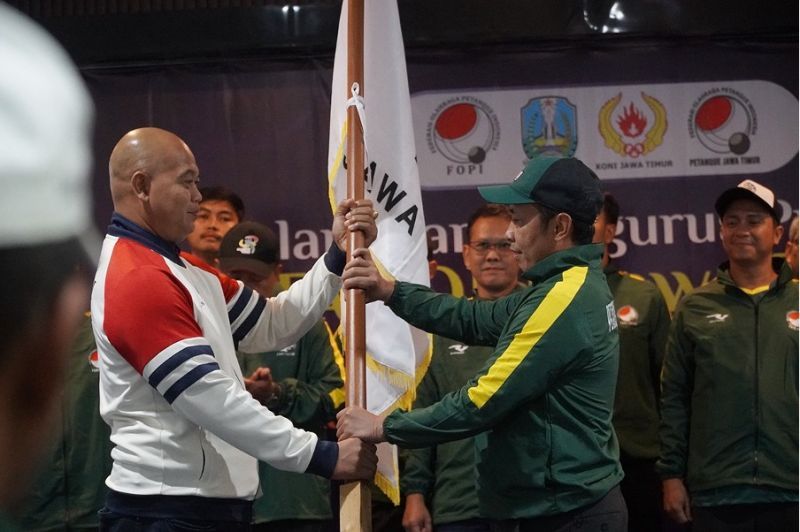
x=643 y=321
x=311 y=385
x=445 y=474
x=729 y=391
x=542 y=403
x=71 y=489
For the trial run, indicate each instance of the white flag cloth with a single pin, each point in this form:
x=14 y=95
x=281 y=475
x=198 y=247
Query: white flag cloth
x=395 y=350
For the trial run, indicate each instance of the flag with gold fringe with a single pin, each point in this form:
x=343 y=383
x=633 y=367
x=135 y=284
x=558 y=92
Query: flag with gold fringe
x=397 y=354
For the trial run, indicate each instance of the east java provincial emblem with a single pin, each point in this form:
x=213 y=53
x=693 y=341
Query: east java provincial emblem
x=631 y=132
x=549 y=127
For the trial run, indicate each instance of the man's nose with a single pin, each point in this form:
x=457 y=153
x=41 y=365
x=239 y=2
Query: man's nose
x=492 y=253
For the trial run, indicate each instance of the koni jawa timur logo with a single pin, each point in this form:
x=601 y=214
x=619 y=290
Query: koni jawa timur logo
x=464 y=130
x=631 y=132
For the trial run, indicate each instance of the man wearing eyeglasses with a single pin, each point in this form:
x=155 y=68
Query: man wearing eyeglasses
x=443 y=475
x=541 y=405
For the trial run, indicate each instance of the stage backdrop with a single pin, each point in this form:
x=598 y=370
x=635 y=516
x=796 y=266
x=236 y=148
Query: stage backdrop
x=666 y=126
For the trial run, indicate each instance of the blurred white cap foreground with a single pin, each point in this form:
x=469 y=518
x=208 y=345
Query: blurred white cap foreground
x=45 y=135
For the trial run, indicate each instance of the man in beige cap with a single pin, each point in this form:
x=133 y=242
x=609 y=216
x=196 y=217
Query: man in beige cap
x=729 y=382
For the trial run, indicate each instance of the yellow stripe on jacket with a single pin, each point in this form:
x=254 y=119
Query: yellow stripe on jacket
x=553 y=305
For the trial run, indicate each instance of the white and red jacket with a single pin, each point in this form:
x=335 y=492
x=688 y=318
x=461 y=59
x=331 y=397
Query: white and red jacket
x=167 y=329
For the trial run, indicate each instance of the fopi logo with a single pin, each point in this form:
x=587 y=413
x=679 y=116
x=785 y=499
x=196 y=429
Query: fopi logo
x=464 y=130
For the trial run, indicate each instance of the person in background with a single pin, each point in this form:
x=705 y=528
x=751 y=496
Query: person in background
x=729 y=442
x=46 y=119
x=70 y=488
x=791 y=251
x=643 y=320
x=542 y=404
x=300 y=382
x=220 y=209
x=443 y=476
x=187 y=434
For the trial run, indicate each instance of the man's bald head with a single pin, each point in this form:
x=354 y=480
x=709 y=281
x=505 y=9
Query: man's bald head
x=147 y=169
x=146 y=149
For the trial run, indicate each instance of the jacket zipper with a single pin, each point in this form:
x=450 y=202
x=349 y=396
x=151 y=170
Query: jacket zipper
x=755 y=398
x=203 y=451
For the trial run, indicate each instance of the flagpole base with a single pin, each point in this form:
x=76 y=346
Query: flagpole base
x=355 y=507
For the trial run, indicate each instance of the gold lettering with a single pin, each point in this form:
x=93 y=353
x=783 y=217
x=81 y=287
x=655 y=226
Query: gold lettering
x=684 y=286
x=456 y=286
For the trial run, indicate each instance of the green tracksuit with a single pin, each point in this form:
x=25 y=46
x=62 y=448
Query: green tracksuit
x=643 y=326
x=309 y=380
x=729 y=394
x=543 y=402
x=7 y=524
x=71 y=487
x=445 y=474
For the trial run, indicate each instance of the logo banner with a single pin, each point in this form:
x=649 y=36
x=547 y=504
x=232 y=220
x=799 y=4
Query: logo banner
x=479 y=137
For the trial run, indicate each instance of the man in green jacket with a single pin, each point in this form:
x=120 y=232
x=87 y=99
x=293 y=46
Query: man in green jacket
x=548 y=457
x=444 y=474
x=643 y=320
x=729 y=384
x=301 y=382
x=70 y=488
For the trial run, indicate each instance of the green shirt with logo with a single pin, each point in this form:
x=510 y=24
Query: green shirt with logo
x=729 y=393
x=445 y=474
x=311 y=383
x=643 y=326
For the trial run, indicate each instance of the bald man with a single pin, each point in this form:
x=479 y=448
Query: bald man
x=187 y=435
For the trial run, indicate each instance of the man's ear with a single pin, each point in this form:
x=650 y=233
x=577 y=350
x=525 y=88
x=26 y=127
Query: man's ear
x=778 y=234
x=140 y=182
x=562 y=226
x=610 y=233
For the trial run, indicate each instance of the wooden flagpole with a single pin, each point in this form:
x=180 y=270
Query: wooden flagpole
x=355 y=513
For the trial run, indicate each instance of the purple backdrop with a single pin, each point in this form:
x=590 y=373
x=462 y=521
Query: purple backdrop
x=261 y=127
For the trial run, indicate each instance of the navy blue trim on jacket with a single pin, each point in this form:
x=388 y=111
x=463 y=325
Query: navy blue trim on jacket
x=323 y=461
x=124 y=228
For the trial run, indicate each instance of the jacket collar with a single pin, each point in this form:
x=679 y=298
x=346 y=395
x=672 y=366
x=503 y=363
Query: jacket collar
x=124 y=228
x=778 y=265
x=585 y=255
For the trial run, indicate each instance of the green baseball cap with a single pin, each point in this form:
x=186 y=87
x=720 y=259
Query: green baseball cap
x=563 y=184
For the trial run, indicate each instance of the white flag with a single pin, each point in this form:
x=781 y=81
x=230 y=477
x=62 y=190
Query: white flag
x=396 y=352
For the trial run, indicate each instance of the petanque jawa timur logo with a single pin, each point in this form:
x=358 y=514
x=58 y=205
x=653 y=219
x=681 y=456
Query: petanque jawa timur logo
x=464 y=130
x=724 y=121
x=793 y=319
x=632 y=131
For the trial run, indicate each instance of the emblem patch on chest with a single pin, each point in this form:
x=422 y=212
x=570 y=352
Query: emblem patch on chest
x=792 y=318
x=628 y=316
x=457 y=349
x=717 y=318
